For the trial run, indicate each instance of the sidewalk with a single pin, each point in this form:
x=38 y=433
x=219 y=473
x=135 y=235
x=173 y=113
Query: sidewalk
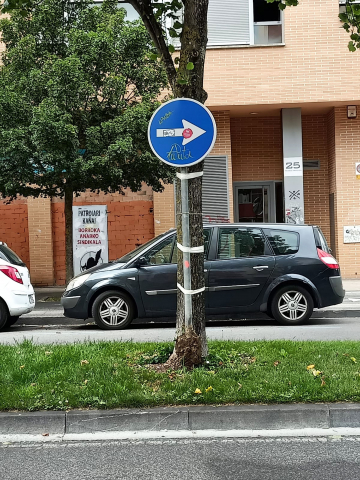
x=175 y=422
x=43 y=292
x=351 y=285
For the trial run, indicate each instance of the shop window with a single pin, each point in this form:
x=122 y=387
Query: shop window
x=267 y=23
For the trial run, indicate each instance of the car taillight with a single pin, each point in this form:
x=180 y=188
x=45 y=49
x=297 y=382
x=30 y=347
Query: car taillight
x=328 y=259
x=11 y=272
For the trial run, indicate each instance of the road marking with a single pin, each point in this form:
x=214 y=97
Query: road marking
x=180 y=434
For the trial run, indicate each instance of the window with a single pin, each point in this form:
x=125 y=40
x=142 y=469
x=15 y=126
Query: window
x=242 y=22
x=342 y=5
x=9 y=256
x=267 y=23
x=207 y=239
x=283 y=243
x=161 y=253
x=240 y=242
x=131 y=13
x=129 y=256
x=320 y=240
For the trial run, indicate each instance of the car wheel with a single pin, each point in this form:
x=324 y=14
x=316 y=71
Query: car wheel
x=113 y=310
x=4 y=315
x=11 y=321
x=292 y=305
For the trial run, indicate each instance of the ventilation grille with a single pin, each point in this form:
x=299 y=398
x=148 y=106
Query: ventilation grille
x=311 y=164
x=215 y=190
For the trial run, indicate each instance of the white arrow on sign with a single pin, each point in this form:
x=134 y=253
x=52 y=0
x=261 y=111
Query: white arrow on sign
x=189 y=132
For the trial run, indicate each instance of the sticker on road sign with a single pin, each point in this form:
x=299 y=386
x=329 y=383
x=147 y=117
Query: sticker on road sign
x=182 y=132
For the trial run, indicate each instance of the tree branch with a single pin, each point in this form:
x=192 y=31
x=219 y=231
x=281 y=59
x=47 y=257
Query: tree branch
x=145 y=10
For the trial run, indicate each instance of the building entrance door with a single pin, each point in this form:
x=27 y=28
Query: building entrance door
x=259 y=202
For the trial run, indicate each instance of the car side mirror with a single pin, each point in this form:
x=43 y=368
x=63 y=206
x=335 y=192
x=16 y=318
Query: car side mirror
x=140 y=262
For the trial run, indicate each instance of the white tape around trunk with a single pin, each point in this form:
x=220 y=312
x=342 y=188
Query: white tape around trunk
x=188 y=176
x=190 y=292
x=191 y=249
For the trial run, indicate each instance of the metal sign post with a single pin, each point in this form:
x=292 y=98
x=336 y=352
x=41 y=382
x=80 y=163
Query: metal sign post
x=183 y=147
x=187 y=245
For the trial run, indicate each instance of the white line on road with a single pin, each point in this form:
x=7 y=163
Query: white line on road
x=179 y=434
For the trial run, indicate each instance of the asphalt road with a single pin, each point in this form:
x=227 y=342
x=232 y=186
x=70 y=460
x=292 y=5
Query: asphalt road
x=207 y=459
x=46 y=324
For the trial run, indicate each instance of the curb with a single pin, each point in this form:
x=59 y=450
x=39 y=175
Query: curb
x=243 y=417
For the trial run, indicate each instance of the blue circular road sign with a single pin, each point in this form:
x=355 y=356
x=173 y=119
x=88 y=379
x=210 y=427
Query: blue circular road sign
x=182 y=132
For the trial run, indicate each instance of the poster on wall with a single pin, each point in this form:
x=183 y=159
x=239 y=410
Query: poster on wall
x=352 y=234
x=90 y=237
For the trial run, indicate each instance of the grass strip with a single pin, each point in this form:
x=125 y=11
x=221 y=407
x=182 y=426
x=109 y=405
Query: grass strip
x=117 y=374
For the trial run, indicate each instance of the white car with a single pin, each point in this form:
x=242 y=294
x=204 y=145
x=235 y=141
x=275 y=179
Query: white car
x=16 y=292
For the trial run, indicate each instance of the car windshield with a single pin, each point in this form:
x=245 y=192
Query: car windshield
x=9 y=256
x=129 y=256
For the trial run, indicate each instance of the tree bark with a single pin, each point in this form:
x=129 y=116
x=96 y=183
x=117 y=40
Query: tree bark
x=69 y=233
x=196 y=337
x=193 y=49
x=191 y=345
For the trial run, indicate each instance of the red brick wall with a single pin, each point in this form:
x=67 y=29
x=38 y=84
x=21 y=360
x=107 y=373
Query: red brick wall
x=14 y=228
x=129 y=224
x=347 y=148
x=257 y=156
x=316 y=182
x=58 y=230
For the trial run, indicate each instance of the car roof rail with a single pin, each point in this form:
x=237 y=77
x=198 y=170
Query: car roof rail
x=3 y=243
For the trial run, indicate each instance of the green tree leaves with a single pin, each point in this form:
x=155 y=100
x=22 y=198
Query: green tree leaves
x=77 y=77
x=351 y=23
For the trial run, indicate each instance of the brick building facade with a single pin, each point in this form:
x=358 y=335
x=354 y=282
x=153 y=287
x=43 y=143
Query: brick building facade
x=250 y=85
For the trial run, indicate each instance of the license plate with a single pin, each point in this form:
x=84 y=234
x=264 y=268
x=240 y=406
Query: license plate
x=31 y=299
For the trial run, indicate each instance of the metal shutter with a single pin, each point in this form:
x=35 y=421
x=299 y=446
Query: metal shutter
x=215 y=190
x=228 y=22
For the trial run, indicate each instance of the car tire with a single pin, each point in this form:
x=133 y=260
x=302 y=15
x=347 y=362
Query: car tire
x=4 y=315
x=11 y=321
x=113 y=310
x=292 y=305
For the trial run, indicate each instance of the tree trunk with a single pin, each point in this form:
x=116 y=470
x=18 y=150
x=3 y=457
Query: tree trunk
x=191 y=345
x=69 y=234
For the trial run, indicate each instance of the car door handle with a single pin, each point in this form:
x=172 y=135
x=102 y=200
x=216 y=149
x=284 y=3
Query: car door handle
x=259 y=268
x=205 y=270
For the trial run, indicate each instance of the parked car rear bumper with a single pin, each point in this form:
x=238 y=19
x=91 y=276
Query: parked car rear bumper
x=337 y=287
x=20 y=300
